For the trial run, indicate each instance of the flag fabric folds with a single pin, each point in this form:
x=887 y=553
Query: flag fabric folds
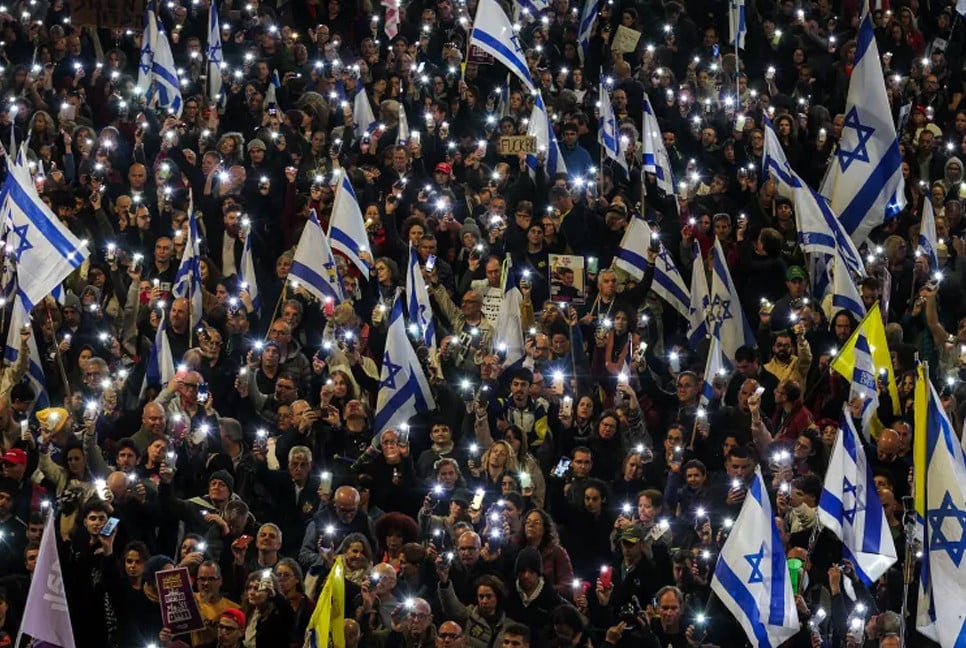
x=392 y=17
x=494 y=34
x=737 y=23
x=588 y=16
x=713 y=368
x=362 y=113
x=928 y=242
x=872 y=330
x=940 y=501
x=864 y=180
x=46 y=616
x=727 y=319
x=403 y=388
x=160 y=367
x=751 y=576
x=849 y=506
x=541 y=127
x=19 y=317
x=314 y=264
x=347 y=229
x=656 y=159
x=246 y=273
x=187 y=281
x=609 y=134
x=845 y=295
x=46 y=252
x=328 y=619
x=403 y=131
x=700 y=302
x=509 y=324
x=632 y=257
x=215 y=56
x=157 y=65
x=418 y=307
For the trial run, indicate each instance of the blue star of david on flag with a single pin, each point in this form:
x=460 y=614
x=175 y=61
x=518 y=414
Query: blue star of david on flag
x=938 y=540
x=864 y=133
x=24 y=244
x=214 y=53
x=147 y=58
x=668 y=263
x=721 y=309
x=393 y=369
x=858 y=505
x=754 y=560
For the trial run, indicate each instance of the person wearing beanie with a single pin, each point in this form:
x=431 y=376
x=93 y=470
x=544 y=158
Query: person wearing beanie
x=205 y=515
x=531 y=598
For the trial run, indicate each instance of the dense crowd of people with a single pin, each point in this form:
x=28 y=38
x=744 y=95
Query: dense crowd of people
x=548 y=500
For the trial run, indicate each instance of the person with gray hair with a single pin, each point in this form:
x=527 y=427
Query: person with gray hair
x=292 y=491
x=242 y=461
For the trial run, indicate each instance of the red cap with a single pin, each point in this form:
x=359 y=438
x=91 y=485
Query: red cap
x=15 y=456
x=445 y=168
x=235 y=615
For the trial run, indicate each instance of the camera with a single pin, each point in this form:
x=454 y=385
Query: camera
x=630 y=611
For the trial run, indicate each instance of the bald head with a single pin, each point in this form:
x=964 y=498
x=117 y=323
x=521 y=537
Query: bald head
x=153 y=419
x=346 y=503
x=888 y=444
x=117 y=483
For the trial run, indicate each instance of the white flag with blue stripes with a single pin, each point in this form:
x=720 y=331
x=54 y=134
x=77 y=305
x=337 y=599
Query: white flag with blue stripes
x=540 y=127
x=928 y=241
x=864 y=379
x=493 y=33
x=656 y=159
x=45 y=251
x=942 y=577
x=751 y=577
x=609 y=133
x=632 y=257
x=700 y=304
x=157 y=64
x=819 y=231
x=19 y=317
x=727 y=318
x=215 y=55
x=187 y=281
x=149 y=37
x=347 y=229
x=420 y=309
x=588 y=16
x=845 y=295
x=314 y=264
x=850 y=508
x=362 y=115
x=246 y=274
x=403 y=389
x=864 y=180
x=509 y=322
x=737 y=23
x=713 y=368
x=160 y=367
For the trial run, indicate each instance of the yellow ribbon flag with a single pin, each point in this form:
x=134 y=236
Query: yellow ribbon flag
x=920 y=440
x=328 y=619
x=874 y=329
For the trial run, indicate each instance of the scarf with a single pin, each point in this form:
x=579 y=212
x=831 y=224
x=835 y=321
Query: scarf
x=527 y=600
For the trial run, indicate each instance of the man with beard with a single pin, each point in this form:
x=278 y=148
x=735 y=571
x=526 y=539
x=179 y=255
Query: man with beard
x=226 y=246
x=784 y=364
x=211 y=604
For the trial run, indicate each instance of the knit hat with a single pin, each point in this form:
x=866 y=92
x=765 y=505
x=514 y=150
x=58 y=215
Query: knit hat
x=72 y=301
x=155 y=564
x=470 y=227
x=256 y=144
x=94 y=290
x=53 y=418
x=530 y=559
x=225 y=476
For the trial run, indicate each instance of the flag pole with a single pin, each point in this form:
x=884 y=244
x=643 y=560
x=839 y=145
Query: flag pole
x=57 y=354
x=278 y=303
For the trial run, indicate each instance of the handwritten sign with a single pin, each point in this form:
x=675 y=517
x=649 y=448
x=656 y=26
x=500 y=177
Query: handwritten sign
x=179 y=610
x=108 y=13
x=625 y=39
x=513 y=144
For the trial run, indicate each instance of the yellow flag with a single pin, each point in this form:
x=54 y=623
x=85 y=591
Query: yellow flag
x=328 y=619
x=874 y=329
x=919 y=440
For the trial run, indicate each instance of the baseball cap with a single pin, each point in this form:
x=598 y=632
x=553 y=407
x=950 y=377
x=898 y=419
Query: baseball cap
x=794 y=272
x=15 y=456
x=632 y=534
x=236 y=615
x=442 y=167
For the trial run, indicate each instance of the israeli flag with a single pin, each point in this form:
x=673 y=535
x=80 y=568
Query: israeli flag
x=941 y=500
x=863 y=380
x=737 y=23
x=588 y=16
x=864 y=181
x=403 y=388
x=494 y=34
x=362 y=111
x=160 y=368
x=609 y=134
x=347 y=229
x=632 y=258
x=850 y=508
x=420 y=310
x=728 y=322
x=157 y=65
x=713 y=368
x=509 y=322
x=699 y=307
x=845 y=296
x=45 y=251
x=751 y=577
x=187 y=281
x=215 y=55
x=819 y=231
x=540 y=127
x=928 y=242
x=149 y=37
x=314 y=264
x=246 y=273
x=34 y=372
x=656 y=159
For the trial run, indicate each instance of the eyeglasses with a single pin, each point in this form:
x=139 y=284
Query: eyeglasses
x=224 y=628
x=190 y=385
x=449 y=636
